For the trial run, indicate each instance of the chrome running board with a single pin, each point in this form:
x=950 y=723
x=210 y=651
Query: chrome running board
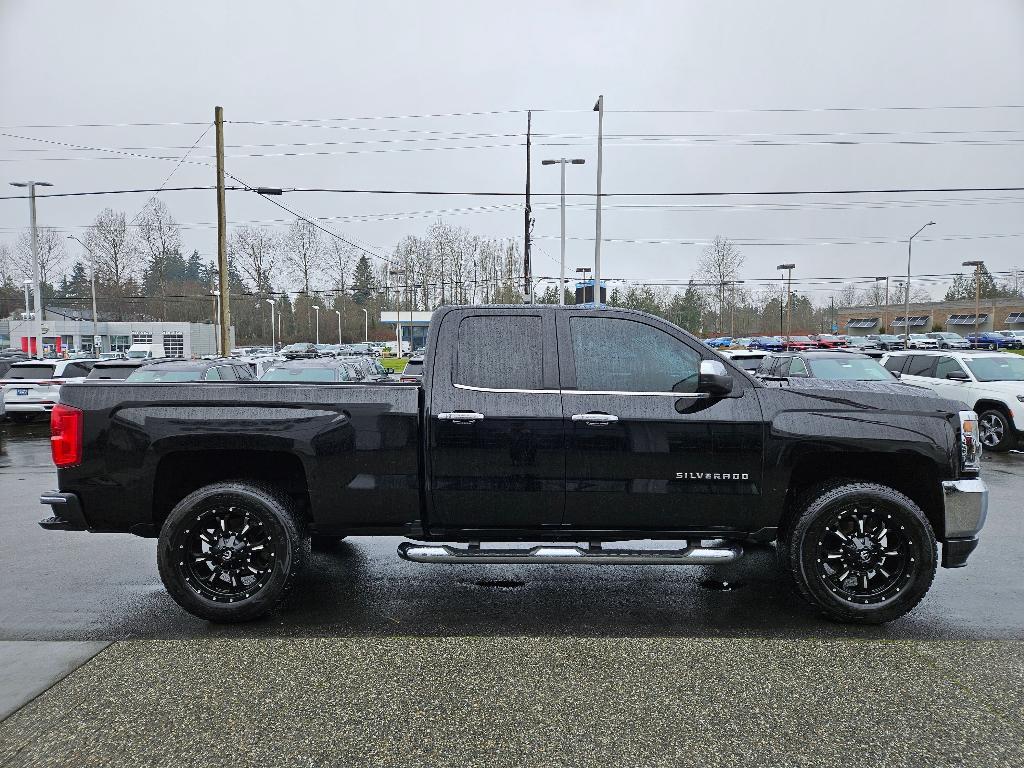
x=593 y=555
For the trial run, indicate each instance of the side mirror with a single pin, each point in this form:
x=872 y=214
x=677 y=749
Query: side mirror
x=958 y=376
x=714 y=379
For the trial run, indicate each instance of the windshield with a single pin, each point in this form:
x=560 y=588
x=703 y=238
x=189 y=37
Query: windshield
x=148 y=374
x=800 y=338
x=302 y=374
x=853 y=369
x=1002 y=368
x=137 y=355
x=112 y=372
x=30 y=372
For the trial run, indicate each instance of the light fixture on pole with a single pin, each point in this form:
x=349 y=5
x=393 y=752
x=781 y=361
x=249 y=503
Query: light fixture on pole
x=584 y=271
x=37 y=278
x=339 y=325
x=977 y=294
x=561 y=273
x=92 y=282
x=273 y=339
x=317 y=310
x=366 y=325
x=789 y=300
x=906 y=308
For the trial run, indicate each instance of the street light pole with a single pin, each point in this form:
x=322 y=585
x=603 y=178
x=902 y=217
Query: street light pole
x=37 y=277
x=599 y=108
x=92 y=281
x=789 y=300
x=366 y=325
x=317 y=310
x=339 y=325
x=273 y=340
x=906 y=309
x=977 y=295
x=561 y=273
x=216 y=322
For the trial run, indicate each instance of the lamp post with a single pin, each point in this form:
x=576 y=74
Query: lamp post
x=599 y=108
x=92 y=282
x=398 y=306
x=977 y=294
x=317 y=310
x=366 y=325
x=37 y=277
x=885 y=314
x=339 y=325
x=216 y=322
x=789 y=300
x=561 y=273
x=273 y=339
x=906 y=309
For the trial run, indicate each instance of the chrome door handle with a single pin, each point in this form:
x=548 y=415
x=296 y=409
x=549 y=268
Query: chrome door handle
x=461 y=417
x=595 y=419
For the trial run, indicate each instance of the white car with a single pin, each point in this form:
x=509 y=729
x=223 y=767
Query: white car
x=31 y=387
x=748 y=360
x=922 y=341
x=949 y=340
x=990 y=383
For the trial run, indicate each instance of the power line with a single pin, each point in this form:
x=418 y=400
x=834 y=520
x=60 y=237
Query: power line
x=116 y=192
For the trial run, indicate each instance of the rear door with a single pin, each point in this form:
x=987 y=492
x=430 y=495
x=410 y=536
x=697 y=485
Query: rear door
x=494 y=432
x=920 y=370
x=644 y=450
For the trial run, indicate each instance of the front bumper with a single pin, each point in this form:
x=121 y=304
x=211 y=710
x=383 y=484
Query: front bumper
x=965 y=507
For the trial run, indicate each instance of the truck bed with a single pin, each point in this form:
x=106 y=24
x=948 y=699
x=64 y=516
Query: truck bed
x=350 y=451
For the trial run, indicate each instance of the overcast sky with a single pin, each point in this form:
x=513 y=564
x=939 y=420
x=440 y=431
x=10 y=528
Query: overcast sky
x=131 y=62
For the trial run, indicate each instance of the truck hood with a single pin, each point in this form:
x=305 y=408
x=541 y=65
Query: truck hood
x=870 y=395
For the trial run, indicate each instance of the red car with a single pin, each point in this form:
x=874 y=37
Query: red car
x=798 y=343
x=828 y=341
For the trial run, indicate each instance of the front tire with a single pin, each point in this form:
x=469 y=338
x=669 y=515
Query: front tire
x=996 y=432
x=859 y=552
x=230 y=551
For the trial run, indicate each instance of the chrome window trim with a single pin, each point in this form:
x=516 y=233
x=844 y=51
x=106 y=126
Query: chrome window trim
x=576 y=392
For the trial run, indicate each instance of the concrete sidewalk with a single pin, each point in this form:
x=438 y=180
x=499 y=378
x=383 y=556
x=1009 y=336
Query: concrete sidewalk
x=29 y=667
x=496 y=701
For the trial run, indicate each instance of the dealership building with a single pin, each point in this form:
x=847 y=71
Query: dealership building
x=958 y=316
x=66 y=331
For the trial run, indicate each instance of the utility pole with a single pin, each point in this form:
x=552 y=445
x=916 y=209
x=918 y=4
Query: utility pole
x=92 y=282
x=599 y=108
x=906 y=310
x=273 y=340
x=527 y=265
x=732 y=312
x=222 y=239
x=339 y=325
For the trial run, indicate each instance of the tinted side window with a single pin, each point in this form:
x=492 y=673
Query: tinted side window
x=616 y=355
x=920 y=365
x=781 y=368
x=74 y=370
x=945 y=365
x=797 y=367
x=212 y=375
x=895 y=364
x=500 y=352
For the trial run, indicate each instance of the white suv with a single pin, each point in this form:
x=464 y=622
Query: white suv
x=31 y=387
x=922 y=341
x=990 y=383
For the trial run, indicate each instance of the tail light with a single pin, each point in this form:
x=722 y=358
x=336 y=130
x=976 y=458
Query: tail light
x=66 y=435
x=970 y=445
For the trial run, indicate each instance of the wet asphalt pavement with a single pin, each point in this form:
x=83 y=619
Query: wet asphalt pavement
x=378 y=661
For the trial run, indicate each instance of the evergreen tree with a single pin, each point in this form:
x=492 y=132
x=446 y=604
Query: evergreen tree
x=363 y=283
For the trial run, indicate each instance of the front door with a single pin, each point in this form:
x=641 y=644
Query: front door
x=496 y=449
x=644 y=449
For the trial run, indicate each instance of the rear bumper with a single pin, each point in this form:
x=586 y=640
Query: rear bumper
x=965 y=507
x=67 y=512
x=20 y=407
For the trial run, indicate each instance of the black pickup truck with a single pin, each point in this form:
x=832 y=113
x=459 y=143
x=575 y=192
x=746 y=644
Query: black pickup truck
x=565 y=428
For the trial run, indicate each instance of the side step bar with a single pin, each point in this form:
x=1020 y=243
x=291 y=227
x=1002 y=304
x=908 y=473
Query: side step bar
x=444 y=553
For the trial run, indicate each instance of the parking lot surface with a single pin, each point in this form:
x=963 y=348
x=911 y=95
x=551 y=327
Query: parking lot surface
x=375 y=660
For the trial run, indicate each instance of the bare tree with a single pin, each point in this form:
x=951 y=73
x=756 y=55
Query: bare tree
x=255 y=253
x=115 y=253
x=158 y=238
x=52 y=255
x=6 y=264
x=340 y=258
x=848 y=296
x=719 y=265
x=303 y=253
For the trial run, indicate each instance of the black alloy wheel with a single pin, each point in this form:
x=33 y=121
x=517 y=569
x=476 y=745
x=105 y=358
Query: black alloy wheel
x=230 y=551
x=858 y=552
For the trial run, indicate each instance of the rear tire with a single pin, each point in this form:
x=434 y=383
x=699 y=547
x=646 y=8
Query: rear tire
x=996 y=432
x=859 y=552
x=230 y=551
